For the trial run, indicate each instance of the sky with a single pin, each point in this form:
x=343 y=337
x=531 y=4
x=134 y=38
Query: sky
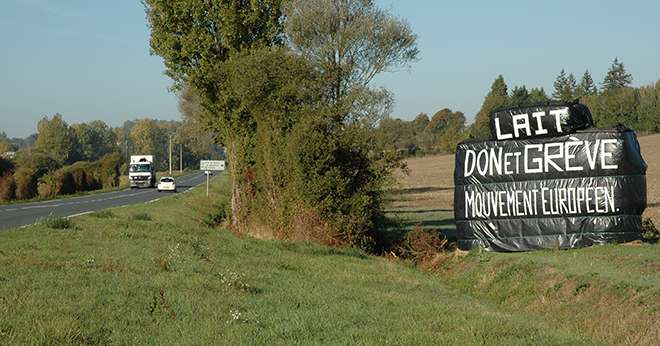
x=89 y=59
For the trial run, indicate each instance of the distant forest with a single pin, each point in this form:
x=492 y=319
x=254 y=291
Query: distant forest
x=612 y=103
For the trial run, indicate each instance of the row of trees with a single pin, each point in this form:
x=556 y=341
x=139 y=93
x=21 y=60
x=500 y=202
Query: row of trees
x=423 y=135
x=614 y=102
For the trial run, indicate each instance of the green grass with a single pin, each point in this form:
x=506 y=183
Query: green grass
x=172 y=280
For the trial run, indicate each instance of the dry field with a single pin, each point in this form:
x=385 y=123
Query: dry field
x=429 y=185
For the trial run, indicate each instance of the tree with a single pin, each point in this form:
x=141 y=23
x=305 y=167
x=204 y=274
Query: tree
x=148 y=139
x=565 y=87
x=196 y=38
x=56 y=139
x=648 y=110
x=519 y=96
x=616 y=77
x=587 y=86
x=537 y=95
x=5 y=146
x=349 y=41
x=95 y=139
x=496 y=98
x=420 y=122
x=449 y=128
x=445 y=119
x=615 y=107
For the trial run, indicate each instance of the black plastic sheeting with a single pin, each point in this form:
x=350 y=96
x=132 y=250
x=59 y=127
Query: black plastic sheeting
x=589 y=152
x=575 y=190
x=545 y=120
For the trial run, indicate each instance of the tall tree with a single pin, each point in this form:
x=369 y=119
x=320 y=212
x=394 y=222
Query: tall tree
x=616 y=77
x=648 y=110
x=148 y=139
x=445 y=119
x=587 y=86
x=537 y=95
x=565 y=87
x=350 y=41
x=496 y=98
x=56 y=139
x=519 y=96
x=196 y=38
x=420 y=122
x=95 y=139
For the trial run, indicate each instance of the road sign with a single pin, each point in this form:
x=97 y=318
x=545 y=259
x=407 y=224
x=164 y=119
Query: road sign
x=212 y=165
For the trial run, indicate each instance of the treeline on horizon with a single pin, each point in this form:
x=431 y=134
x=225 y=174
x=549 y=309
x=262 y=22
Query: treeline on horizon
x=63 y=159
x=614 y=103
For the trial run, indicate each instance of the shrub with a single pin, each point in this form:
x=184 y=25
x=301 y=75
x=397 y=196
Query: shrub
x=32 y=165
x=424 y=247
x=26 y=183
x=65 y=184
x=6 y=166
x=217 y=214
x=46 y=186
x=109 y=168
x=7 y=187
x=650 y=233
x=56 y=222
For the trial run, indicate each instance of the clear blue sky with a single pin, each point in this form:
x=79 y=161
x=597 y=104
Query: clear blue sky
x=90 y=59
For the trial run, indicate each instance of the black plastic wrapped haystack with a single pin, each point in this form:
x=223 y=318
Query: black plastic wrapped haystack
x=572 y=186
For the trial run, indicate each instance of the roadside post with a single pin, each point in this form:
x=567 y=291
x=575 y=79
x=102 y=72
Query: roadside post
x=208 y=166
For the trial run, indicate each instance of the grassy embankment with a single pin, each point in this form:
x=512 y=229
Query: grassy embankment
x=153 y=274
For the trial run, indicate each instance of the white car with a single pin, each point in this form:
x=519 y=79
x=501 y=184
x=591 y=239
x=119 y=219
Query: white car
x=167 y=184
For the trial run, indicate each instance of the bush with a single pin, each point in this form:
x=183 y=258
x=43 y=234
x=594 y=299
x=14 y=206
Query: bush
x=6 y=166
x=32 y=165
x=650 y=234
x=65 y=184
x=26 y=182
x=56 y=222
x=110 y=168
x=424 y=247
x=217 y=215
x=7 y=187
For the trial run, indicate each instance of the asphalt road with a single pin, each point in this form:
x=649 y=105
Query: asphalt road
x=17 y=215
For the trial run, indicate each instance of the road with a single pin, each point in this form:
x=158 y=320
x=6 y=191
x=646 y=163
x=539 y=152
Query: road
x=16 y=215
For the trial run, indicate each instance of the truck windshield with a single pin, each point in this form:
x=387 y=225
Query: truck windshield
x=140 y=168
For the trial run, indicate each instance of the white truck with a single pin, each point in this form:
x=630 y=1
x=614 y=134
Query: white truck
x=141 y=172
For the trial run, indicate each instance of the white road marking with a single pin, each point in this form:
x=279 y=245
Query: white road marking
x=153 y=200
x=80 y=214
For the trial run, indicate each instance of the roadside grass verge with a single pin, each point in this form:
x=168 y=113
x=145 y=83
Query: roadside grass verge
x=173 y=279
